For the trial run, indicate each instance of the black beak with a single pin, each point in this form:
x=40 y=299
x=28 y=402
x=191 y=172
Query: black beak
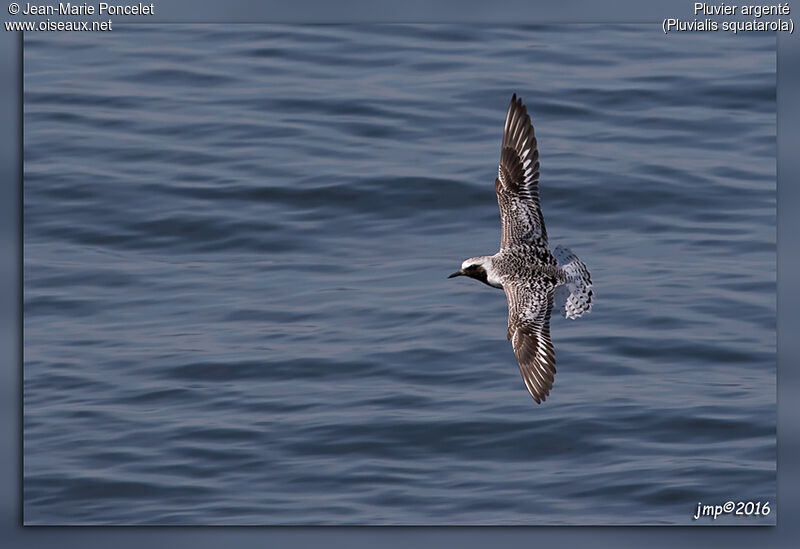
x=455 y=274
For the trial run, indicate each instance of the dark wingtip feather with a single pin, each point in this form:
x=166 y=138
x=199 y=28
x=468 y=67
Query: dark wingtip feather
x=518 y=129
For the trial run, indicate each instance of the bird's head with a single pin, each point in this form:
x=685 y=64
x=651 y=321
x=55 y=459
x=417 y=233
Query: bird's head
x=478 y=268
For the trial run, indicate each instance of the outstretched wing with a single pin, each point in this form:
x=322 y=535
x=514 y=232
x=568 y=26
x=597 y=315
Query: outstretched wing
x=529 y=332
x=517 y=183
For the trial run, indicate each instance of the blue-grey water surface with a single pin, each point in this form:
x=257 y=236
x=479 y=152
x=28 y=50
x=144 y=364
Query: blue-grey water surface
x=236 y=243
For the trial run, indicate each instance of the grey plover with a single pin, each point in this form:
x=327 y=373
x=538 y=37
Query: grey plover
x=533 y=277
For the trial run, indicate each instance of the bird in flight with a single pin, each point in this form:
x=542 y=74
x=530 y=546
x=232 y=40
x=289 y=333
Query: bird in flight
x=533 y=277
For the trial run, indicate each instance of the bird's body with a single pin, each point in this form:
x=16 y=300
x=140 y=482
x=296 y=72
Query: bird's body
x=533 y=277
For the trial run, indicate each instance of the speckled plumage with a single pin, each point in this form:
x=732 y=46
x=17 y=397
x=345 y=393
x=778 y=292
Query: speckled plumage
x=533 y=277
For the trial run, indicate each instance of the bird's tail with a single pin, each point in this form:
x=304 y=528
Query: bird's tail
x=574 y=297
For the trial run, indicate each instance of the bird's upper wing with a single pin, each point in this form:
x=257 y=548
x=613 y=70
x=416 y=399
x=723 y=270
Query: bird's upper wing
x=529 y=332
x=517 y=183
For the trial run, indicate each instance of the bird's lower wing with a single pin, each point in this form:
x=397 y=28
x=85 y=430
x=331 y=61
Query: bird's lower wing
x=529 y=332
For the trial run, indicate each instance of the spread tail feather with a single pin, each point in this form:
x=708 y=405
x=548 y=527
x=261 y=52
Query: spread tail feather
x=574 y=297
